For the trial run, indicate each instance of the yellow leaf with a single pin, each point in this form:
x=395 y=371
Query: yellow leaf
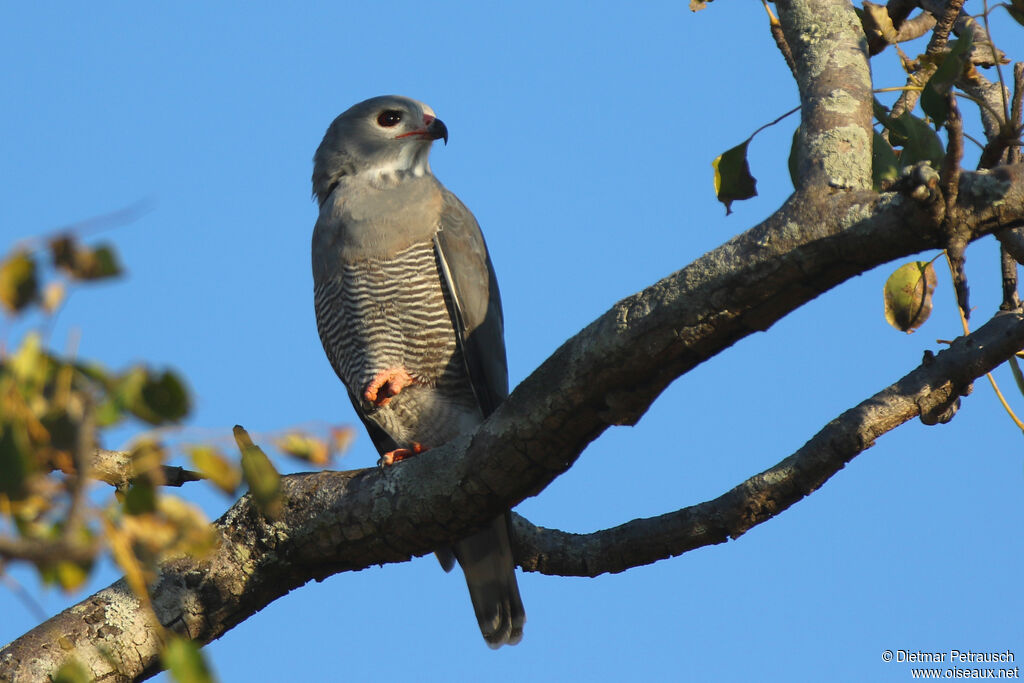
x=174 y=529
x=53 y=296
x=18 y=284
x=194 y=536
x=877 y=21
x=71 y=576
x=263 y=480
x=908 y=295
x=124 y=556
x=304 y=447
x=342 y=438
x=185 y=661
x=212 y=464
x=29 y=363
x=147 y=461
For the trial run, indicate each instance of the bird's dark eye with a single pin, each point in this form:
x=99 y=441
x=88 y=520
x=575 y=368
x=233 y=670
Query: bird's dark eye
x=389 y=118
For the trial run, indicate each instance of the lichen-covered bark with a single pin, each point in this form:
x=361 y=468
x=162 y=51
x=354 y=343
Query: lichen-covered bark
x=834 y=79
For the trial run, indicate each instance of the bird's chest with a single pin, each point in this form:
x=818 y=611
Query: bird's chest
x=381 y=313
x=395 y=314
x=378 y=314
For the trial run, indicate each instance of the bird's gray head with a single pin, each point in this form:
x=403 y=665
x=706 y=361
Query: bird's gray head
x=384 y=137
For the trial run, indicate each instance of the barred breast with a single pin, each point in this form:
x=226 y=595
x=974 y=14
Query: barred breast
x=379 y=313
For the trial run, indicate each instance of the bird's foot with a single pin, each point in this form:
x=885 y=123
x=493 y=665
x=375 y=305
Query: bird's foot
x=400 y=454
x=386 y=385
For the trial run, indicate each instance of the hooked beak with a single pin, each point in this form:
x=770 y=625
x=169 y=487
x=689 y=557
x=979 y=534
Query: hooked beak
x=433 y=129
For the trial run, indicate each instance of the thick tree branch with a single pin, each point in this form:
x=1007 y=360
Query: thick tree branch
x=937 y=381
x=607 y=374
x=834 y=78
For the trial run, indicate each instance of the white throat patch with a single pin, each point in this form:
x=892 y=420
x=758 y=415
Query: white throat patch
x=413 y=161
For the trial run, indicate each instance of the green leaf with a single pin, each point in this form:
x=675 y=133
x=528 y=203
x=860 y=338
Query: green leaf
x=935 y=96
x=185 y=661
x=263 y=480
x=885 y=166
x=93 y=371
x=908 y=295
x=732 y=176
x=84 y=263
x=791 y=160
x=109 y=413
x=165 y=397
x=31 y=365
x=62 y=429
x=881 y=112
x=156 y=399
x=98 y=263
x=71 y=576
x=18 y=284
x=72 y=671
x=15 y=458
x=1016 y=10
x=110 y=405
x=123 y=395
x=141 y=497
x=919 y=141
x=62 y=251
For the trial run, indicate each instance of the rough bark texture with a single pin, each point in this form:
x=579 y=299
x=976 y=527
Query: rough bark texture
x=834 y=79
x=834 y=228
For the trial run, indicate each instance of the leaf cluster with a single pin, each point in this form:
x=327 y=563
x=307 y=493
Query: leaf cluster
x=55 y=410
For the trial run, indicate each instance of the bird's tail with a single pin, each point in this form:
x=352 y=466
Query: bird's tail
x=486 y=560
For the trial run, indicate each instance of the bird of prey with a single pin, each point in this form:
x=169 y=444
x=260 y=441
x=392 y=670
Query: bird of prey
x=408 y=311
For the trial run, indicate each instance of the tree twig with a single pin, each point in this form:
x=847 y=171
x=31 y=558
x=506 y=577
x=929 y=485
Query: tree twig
x=943 y=25
x=115 y=468
x=1008 y=266
x=780 y=40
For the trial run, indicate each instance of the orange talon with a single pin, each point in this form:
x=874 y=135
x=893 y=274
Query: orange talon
x=400 y=454
x=386 y=385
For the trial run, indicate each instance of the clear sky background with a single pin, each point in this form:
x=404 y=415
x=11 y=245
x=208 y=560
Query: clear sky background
x=582 y=135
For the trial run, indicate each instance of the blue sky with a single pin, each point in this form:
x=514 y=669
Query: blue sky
x=582 y=136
